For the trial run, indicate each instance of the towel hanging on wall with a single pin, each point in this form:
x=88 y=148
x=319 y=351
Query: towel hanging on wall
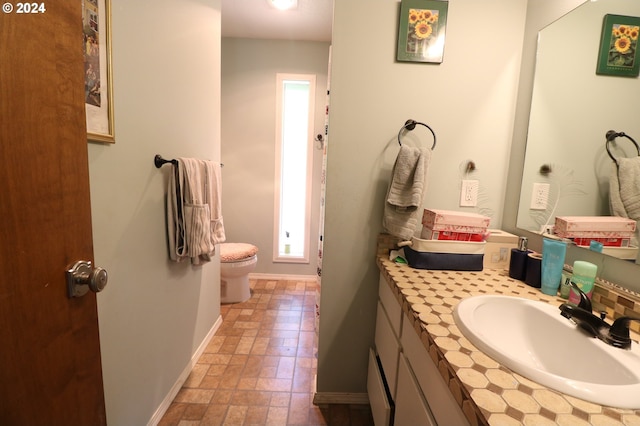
x=403 y=203
x=194 y=214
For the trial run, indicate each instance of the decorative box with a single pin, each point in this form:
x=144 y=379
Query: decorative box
x=455 y=221
x=568 y=224
x=445 y=255
x=430 y=234
x=497 y=251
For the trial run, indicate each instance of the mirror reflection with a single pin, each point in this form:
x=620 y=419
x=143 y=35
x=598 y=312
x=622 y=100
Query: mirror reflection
x=569 y=161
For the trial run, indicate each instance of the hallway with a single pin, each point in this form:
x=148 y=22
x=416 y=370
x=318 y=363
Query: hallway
x=260 y=366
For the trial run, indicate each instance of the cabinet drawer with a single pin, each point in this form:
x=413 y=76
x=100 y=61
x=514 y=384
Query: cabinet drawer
x=388 y=349
x=411 y=408
x=444 y=407
x=380 y=406
x=391 y=305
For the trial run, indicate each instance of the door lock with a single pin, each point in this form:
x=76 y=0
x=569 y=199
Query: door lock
x=82 y=277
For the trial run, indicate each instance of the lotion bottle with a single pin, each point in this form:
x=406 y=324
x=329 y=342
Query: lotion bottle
x=553 y=255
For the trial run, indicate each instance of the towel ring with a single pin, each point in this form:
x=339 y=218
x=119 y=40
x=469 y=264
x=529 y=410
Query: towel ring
x=410 y=125
x=611 y=136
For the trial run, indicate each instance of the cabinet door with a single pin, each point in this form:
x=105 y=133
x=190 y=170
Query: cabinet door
x=444 y=406
x=411 y=408
x=380 y=406
x=388 y=349
x=391 y=305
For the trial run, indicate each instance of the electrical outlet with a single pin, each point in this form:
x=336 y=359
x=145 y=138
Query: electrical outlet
x=540 y=196
x=469 y=193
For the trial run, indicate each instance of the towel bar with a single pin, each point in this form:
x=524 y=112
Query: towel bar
x=159 y=161
x=410 y=125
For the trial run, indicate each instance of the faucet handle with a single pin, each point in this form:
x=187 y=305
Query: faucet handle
x=619 y=332
x=585 y=302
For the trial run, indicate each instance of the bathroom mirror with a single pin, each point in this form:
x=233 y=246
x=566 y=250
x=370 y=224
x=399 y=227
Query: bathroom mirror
x=572 y=109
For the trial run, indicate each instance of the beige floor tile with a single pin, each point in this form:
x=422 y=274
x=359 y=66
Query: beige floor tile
x=256 y=415
x=277 y=416
x=236 y=414
x=276 y=385
x=247 y=383
x=194 y=396
x=260 y=366
x=299 y=409
x=280 y=399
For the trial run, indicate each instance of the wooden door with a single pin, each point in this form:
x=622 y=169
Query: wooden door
x=50 y=368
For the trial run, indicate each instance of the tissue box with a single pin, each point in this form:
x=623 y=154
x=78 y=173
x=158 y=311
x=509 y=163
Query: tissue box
x=454 y=221
x=569 y=224
x=625 y=253
x=497 y=252
x=445 y=255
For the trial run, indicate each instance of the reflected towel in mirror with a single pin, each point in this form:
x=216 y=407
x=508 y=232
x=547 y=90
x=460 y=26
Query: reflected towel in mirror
x=624 y=188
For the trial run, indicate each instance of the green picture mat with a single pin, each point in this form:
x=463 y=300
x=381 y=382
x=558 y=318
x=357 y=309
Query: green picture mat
x=618 y=53
x=421 y=31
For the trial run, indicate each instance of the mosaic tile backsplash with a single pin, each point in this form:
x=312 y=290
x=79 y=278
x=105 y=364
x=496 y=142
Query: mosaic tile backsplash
x=487 y=392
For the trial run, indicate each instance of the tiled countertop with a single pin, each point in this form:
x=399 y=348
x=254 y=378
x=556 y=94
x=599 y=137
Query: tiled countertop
x=487 y=392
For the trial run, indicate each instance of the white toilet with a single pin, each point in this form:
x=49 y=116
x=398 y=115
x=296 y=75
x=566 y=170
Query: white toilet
x=236 y=261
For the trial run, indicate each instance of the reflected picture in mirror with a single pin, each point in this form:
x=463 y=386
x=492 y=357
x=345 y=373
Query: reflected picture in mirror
x=568 y=167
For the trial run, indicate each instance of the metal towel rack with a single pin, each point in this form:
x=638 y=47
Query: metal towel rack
x=159 y=161
x=611 y=136
x=410 y=125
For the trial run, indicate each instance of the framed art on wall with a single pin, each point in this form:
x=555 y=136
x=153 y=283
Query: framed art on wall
x=98 y=85
x=421 y=30
x=618 y=53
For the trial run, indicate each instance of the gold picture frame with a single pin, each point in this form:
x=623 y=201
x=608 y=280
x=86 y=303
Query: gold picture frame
x=98 y=82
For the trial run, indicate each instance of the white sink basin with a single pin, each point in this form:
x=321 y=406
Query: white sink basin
x=534 y=340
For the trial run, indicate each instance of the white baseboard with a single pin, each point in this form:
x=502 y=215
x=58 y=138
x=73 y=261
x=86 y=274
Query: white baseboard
x=274 y=277
x=320 y=398
x=164 y=406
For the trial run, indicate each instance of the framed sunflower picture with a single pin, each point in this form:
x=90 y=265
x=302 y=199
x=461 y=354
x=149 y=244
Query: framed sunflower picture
x=619 y=46
x=421 y=30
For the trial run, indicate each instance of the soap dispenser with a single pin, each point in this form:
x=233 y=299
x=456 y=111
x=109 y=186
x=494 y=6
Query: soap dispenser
x=518 y=261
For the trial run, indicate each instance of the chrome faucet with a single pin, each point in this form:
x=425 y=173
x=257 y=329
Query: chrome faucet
x=616 y=334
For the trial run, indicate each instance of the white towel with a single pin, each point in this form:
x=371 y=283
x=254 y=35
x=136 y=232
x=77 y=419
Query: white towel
x=404 y=197
x=194 y=219
x=624 y=188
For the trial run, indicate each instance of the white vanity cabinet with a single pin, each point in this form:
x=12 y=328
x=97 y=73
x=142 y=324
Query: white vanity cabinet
x=383 y=360
x=404 y=385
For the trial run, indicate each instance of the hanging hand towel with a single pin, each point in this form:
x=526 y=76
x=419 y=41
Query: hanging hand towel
x=194 y=216
x=403 y=204
x=213 y=198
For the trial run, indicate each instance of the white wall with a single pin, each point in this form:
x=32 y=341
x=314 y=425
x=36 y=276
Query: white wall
x=249 y=69
x=153 y=314
x=469 y=100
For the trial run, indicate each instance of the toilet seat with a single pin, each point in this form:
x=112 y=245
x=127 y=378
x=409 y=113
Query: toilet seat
x=237 y=252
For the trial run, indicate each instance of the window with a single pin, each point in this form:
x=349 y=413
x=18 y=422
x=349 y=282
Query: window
x=294 y=129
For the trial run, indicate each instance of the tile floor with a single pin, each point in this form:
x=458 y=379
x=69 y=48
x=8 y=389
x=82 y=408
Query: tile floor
x=260 y=366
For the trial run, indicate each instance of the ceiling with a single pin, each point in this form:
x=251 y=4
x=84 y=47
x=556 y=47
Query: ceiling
x=311 y=21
